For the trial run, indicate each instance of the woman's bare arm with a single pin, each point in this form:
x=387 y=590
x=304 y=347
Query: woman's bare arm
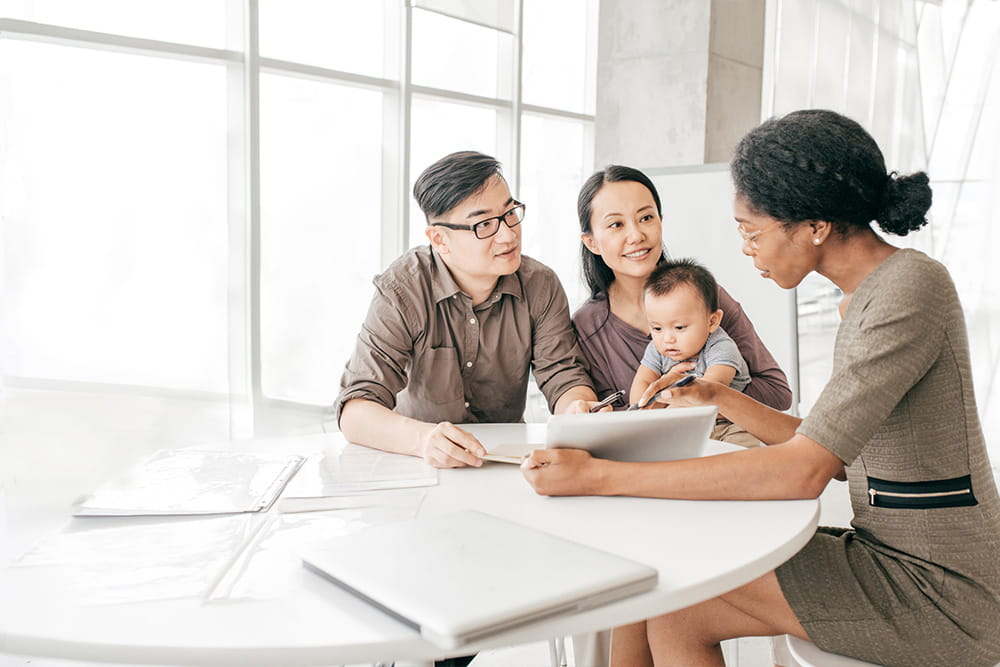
x=768 y=425
x=799 y=468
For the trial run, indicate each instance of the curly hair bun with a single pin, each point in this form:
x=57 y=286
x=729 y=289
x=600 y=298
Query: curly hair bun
x=816 y=164
x=905 y=203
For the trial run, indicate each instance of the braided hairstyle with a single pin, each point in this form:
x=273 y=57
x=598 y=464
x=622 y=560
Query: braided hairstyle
x=819 y=165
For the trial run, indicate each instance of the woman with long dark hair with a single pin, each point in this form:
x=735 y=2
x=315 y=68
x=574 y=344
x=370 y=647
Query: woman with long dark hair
x=621 y=243
x=916 y=579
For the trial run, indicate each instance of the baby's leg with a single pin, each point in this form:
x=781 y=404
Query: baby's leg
x=727 y=431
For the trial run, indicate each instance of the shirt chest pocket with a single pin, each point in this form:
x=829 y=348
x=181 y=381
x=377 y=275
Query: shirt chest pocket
x=437 y=373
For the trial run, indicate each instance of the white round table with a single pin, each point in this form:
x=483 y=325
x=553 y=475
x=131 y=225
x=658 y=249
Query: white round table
x=700 y=548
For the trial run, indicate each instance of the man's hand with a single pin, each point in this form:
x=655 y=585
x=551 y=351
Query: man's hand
x=575 y=399
x=445 y=445
x=580 y=406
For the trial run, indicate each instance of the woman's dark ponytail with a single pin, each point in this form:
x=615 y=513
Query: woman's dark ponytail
x=905 y=203
x=816 y=164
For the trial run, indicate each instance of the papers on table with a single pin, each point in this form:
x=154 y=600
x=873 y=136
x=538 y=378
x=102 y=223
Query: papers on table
x=143 y=560
x=212 y=558
x=187 y=481
x=509 y=453
x=508 y=443
x=266 y=569
x=328 y=476
x=163 y=543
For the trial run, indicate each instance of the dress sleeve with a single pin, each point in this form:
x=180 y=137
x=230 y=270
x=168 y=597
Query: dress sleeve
x=376 y=370
x=890 y=341
x=769 y=385
x=556 y=359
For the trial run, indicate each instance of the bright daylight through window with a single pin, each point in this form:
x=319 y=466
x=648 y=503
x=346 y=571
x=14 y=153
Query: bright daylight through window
x=197 y=194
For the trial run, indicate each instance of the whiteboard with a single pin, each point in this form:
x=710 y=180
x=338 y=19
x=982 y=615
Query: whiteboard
x=698 y=223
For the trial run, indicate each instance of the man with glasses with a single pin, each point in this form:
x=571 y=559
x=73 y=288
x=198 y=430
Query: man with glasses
x=455 y=326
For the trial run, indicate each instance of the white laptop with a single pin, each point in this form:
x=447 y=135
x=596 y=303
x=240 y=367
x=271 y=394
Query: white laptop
x=667 y=434
x=462 y=576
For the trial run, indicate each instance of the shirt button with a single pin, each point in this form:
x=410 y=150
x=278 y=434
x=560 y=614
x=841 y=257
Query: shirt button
x=472 y=321
x=466 y=404
x=469 y=364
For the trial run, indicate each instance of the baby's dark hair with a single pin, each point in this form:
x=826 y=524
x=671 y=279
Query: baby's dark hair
x=674 y=272
x=819 y=165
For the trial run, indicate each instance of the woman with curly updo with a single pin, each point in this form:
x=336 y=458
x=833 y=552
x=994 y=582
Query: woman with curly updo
x=916 y=579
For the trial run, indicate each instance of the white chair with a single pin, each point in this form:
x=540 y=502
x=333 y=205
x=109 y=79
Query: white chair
x=806 y=654
x=533 y=653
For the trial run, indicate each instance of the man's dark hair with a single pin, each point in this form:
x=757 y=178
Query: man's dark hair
x=819 y=165
x=596 y=272
x=673 y=272
x=453 y=179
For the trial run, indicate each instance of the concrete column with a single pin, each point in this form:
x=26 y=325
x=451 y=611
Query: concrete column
x=678 y=81
x=735 y=70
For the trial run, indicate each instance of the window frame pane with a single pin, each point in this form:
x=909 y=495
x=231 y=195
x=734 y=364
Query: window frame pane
x=239 y=53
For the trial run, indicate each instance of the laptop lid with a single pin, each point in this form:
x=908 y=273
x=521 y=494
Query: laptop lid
x=461 y=576
x=644 y=435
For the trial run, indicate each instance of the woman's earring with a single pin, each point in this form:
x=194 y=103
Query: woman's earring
x=816 y=241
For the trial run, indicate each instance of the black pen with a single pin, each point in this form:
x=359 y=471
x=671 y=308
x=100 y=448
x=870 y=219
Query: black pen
x=608 y=400
x=687 y=379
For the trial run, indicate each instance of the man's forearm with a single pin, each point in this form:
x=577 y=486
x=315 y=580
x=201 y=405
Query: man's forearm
x=579 y=393
x=368 y=423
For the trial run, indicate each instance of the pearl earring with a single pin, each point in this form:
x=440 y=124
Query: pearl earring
x=816 y=241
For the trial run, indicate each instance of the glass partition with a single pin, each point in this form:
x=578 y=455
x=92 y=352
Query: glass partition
x=924 y=78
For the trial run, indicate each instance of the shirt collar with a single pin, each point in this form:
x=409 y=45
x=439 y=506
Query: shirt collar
x=443 y=285
x=510 y=284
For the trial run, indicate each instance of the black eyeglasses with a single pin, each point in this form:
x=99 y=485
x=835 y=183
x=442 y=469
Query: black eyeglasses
x=484 y=229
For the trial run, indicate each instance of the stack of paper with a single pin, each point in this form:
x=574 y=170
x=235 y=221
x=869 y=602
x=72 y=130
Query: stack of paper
x=187 y=481
x=343 y=471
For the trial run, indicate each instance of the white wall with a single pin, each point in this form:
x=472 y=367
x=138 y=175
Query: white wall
x=698 y=223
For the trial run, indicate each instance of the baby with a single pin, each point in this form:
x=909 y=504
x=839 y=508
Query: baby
x=681 y=299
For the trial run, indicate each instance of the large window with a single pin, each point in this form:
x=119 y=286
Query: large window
x=865 y=66
x=196 y=194
x=320 y=233
x=114 y=218
x=923 y=76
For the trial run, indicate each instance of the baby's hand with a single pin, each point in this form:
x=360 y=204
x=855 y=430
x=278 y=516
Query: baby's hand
x=676 y=373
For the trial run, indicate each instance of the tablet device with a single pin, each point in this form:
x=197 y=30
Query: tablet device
x=465 y=575
x=666 y=434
